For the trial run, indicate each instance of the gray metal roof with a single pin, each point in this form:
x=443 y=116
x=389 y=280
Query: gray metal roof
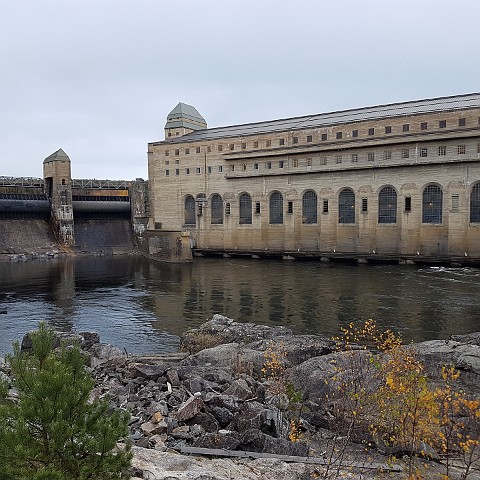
x=185 y=115
x=59 y=155
x=335 y=118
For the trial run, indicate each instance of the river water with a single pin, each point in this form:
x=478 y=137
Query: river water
x=143 y=306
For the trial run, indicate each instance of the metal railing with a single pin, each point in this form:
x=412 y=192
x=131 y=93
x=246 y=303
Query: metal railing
x=21 y=182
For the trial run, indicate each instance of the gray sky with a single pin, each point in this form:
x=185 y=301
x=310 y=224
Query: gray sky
x=98 y=77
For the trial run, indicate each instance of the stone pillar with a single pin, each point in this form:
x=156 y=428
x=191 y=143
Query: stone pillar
x=58 y=188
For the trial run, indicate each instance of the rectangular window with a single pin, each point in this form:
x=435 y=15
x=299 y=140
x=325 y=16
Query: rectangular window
x=295 y=162
x=442 y=151
x=199 y=170
x=424 y=152
x=338 y=158
x=209 y=149
x=325 y=206
x=167 y=172
x=268 y=165
x=209 y=169
x=187 y=151
x=257 y=208
x=187 y=171
x=442 y=124
x=232 y=146
x=455 y=202
x=268 y=143
x=244 y=146
x=405 y=153
x=388 y=129
x=295 y=140
x=177 y=172
x=408 y=204
x=255 y=144
x=461 y=149
x=290 y=207
x=280 y=164
x=177 y=161
x=232 y=168
x=324 y=137
x=406 y=127
x=462 y=122
x=167 y=153
x=323 y=160
x=371 y=156
x=220 y=168
x=339 y=135
x=220 y=148
x=424 y=126
x=354 y=157
x=309 y=162
x=197 y=150
x=244 y=167
x=355 y=133
x=387 y=155
x=227 y=208
x=281 y=141
x=371 y=131
x=167 y=162
x=364 y=205
x=255 y=166
x=309 y=138
x=177 y=151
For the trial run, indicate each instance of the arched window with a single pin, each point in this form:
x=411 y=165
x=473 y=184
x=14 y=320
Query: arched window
x=190 y=210
x=387 y=205
x=217 y=209
x=309 y=207
x=245 y=217
x=276 y=208
x=475 y=204
x=432 y=200
x=346 y=206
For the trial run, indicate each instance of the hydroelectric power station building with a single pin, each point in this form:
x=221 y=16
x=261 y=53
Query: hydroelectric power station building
x=392 y=181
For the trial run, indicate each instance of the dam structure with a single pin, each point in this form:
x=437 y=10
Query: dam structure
x=60 y=215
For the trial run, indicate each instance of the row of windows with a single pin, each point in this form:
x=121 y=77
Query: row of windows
x=388 y=129
x=405 y=153
x=432 y=207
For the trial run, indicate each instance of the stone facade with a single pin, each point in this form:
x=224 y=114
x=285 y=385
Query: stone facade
x=396 y=180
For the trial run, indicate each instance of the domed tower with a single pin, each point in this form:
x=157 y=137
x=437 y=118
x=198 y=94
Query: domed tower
x=183 y=119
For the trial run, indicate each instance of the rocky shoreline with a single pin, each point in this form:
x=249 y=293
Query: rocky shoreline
x=215 y=394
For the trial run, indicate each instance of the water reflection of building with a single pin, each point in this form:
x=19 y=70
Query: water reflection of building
x=399 y=179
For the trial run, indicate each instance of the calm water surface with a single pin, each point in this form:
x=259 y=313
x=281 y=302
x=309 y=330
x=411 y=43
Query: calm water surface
x=144 y=306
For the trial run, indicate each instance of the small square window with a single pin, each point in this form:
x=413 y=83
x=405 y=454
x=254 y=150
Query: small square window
x=209 y=149
x=324 y=137
x=461 y=149
x=199 y=170
x=424 y=152
x=371 y=156
x=442 y=151
x=325 y=206
x=364 y=205
x=406 y=127
x=442 y=124
x=339 y=135
x=167 y=162
x=295 y=162
x=232 y=146
x=295 y=140
x=338 y=158
x=167 y=172
x=177 y=151
x=387 y=155
x=255 y=144
x=290 y=207
x=309 y=138
x=462 y=122
x=408 y=204
x=388 y=129
x=220 y=168
x=371 y=131
x=281 y=141
x=309 y=162
x=268 y=143
x=257 y=208
x=354 y=133
x=197 y=150
x=187 y=151
x=255 y=166
x=177 y=161
x=244 y=146
x=354 y=157
x=220 y=148
x=424 y=126
x=323 y=160
x=268 y=165
x=167 y=153
x=405 y=153
x=280 y=164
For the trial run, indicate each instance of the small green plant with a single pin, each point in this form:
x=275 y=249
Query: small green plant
x=55 y=431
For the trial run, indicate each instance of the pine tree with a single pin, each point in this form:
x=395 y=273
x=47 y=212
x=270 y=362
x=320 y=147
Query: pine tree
x=54 y=431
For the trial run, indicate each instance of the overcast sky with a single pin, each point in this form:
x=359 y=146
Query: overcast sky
x=98 y=77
